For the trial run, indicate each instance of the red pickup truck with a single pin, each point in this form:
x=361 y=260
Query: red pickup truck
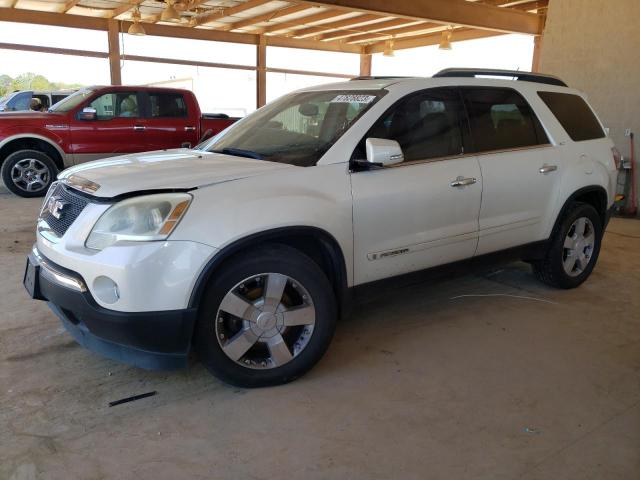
x=98 y=122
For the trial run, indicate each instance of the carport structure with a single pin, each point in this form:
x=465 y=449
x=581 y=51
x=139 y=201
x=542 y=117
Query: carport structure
x=361 y=27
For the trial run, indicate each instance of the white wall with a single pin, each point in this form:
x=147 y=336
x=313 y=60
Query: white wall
x=594 y=46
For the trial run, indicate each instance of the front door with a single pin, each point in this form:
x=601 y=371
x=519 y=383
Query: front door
x=424 y=211
x=117 y=129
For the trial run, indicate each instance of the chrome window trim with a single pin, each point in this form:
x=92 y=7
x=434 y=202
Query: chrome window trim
x=463 y=155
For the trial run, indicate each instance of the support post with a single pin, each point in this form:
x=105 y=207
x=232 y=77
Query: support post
x=261 y=72
x=537 y=46
x=114 y=52
x=365 y=64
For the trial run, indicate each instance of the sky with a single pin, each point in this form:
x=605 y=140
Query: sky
x=233 y=91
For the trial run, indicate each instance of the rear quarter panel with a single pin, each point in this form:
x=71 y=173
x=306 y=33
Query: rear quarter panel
x=582 y=164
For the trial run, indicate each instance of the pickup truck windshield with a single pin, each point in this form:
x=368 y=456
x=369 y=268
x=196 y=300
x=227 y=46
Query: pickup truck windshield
x=297 y=129
x=72 y=101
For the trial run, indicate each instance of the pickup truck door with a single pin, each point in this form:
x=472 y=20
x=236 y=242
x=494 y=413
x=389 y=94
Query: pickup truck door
x=168 y=122
x=520 y=168
x=116 y=130
x=423 y=212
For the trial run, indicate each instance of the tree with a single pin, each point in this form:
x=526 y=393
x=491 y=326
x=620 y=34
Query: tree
x=31 y=81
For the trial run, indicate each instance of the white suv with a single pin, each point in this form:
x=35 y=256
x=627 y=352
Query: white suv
x=248 y=247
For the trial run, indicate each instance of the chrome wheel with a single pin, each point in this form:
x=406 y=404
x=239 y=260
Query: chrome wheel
x=578 y=246
x=30 y=175
x=265 y=321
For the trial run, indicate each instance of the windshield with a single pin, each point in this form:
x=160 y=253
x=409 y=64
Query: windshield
x=297 y=129
x=7 y=97
x=72 y=101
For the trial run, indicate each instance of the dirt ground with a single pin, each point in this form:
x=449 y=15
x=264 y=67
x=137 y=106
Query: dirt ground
x=487 y=376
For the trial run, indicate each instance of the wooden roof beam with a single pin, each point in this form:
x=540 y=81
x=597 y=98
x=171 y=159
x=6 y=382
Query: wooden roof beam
x=125 y=8
x=304 y=21
x=448 y=12
x=375 y=27
x=265 y=17
x=228 y=12
x=67 y=6
x=387 y=34
x=459 y=34
x=326 y=27
x=171 y=31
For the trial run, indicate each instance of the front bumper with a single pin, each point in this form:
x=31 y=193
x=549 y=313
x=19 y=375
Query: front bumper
x=151 y=340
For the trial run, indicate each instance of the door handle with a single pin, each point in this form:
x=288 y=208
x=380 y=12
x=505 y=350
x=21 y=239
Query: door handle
x=189 y=129
x=548 y=168
x=139 y=128
x=463 y=182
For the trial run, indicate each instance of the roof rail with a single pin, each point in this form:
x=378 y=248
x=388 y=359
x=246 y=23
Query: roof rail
x=375 y=77
x=515 y=74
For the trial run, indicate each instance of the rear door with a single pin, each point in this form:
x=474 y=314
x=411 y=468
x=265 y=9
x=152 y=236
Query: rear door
x=519 y=166
x=117 y=128
x=168 y=121
x=424 y=211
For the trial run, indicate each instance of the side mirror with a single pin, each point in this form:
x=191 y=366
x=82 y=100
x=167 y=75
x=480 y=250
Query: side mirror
x=185 y=145
x=88 y=113
x=383 y=152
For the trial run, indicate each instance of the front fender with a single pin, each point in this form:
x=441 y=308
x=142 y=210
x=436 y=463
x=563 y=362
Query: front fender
x=315 y=197
x=55 y=139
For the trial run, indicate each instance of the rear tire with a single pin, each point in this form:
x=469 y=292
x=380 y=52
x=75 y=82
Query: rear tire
x=267 y=317
x=28 y=173
x=573 y=249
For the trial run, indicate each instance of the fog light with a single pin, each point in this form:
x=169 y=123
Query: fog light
x=106 y=290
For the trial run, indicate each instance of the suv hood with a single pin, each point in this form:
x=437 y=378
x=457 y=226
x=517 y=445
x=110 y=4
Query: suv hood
x=161 y=170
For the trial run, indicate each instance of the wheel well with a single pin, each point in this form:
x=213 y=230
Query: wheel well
x=594 y=196
x=317 y=244
x=27 y=143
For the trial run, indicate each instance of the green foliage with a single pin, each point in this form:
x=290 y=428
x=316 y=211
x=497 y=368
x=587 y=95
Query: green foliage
x=31 y=81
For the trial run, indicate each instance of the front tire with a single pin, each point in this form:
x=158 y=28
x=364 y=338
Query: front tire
x=266 y=318
x=28 y=173
x=573 y=249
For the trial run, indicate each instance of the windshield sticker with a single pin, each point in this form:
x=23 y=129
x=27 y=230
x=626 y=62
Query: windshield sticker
x=354 y=99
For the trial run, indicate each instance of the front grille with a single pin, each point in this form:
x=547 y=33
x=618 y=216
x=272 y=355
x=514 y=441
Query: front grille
x=74 y=205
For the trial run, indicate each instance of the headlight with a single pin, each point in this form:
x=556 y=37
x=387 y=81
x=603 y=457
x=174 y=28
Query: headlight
x=139 y=219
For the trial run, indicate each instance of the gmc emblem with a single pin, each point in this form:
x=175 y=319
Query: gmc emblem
x=55 y=206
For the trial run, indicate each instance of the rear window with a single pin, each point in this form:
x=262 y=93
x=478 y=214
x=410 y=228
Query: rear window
x=575 y=116
x=501 y=119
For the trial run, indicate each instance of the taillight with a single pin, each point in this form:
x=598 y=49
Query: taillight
x=617 y=157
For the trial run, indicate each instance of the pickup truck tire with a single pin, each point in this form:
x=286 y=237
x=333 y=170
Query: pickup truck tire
x=573 y=248
x=266 y=318
x=28 y=173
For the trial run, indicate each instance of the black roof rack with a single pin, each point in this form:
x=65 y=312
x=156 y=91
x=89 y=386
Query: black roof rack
x=517 y=75
x=370 y=77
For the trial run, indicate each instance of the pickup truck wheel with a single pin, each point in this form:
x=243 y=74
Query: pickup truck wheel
x=573 y=250
x=267 y=317
x=28 y=173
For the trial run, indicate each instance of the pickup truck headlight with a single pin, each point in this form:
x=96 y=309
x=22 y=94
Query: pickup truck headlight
x=139 y=219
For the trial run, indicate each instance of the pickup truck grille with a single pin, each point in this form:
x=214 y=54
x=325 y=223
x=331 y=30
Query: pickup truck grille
x=74 y=204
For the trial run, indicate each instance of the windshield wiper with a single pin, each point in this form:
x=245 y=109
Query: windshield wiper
x=239 y=152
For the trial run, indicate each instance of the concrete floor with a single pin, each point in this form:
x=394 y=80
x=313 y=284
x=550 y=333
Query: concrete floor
x=454 y=380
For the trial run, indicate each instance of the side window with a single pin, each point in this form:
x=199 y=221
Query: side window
x=426 y=125
x=21 y=102
x=56 y=98
x=44 y=99
x=574 y=115
x=501 y=119
x=167 y=105
x=112 y=105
